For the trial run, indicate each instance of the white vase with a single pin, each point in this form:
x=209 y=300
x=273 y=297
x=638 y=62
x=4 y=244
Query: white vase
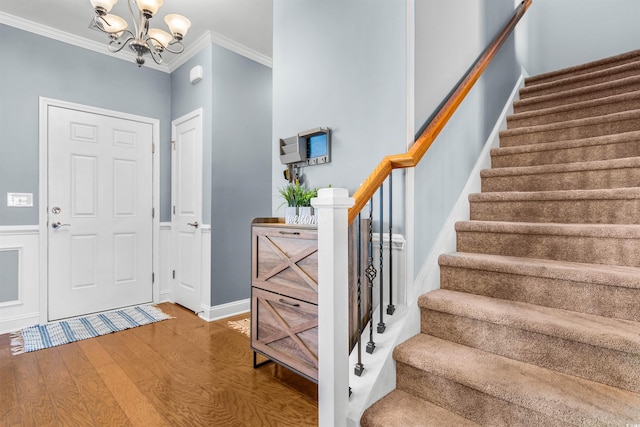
x=306 y=216
x=291 y=215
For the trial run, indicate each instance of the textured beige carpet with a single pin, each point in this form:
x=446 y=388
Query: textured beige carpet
x=536 y=321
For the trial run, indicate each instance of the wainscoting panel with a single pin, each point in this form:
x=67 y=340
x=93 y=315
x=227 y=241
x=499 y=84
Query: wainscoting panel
x=19 y=306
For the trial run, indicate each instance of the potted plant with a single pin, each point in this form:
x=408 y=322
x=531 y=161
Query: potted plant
x=291 y=194
x=305 y=211
x=298 y=201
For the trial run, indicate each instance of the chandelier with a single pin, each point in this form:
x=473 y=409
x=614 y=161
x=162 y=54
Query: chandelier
x=142 y=40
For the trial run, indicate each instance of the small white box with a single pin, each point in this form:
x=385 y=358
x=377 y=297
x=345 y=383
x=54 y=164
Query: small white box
x=195 y=75
x=19 y=200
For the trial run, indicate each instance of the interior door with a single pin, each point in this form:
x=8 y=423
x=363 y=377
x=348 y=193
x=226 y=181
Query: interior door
x=186 y=223
x=100 y=212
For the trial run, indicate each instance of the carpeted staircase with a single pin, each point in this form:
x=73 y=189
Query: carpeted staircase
x=537 y=319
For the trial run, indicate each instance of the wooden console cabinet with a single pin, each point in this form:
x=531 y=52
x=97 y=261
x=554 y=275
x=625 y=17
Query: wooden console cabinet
x=284 y=293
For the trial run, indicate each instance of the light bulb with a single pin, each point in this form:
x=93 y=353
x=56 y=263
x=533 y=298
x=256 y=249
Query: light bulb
x=113 y=24
x=150 y=6
x=159 y=37
x=103 y=5
x=178 y=25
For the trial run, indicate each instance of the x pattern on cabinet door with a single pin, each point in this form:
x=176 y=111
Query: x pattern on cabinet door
x=290 y=262
x=288 y=330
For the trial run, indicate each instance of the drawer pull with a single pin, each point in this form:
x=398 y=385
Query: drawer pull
x=289 y=303
x=295 y=233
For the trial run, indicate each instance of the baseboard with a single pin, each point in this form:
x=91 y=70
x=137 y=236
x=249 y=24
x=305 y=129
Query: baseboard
x=428 y=278
x=221 y=311
x=16 y=323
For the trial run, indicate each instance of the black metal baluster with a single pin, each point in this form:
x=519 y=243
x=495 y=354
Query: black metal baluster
x=390 y=308
x=381 y=325
x=371 y=274
x=359 y=366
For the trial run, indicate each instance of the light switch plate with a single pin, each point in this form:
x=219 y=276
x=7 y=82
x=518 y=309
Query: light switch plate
x=19 y=200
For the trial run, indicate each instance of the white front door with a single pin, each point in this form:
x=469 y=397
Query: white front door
x=100 y=199
x=186 y=194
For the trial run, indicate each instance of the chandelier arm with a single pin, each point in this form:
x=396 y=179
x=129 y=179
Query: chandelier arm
x=178 y=43
x=155 y=54
x=133 y=18
x=119 y=44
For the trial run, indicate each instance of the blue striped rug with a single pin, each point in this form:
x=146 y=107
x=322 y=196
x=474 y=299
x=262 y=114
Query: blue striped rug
x=65 y=331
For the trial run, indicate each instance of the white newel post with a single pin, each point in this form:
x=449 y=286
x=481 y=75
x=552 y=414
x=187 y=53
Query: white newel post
x=332 y=207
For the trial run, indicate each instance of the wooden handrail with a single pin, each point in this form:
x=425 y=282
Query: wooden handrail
x=432 y=130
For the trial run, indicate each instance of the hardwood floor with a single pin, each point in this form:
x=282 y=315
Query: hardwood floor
x=179 y=372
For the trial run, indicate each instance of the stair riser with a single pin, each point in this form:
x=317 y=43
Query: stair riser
x=547 y=89
x=515 y=121
x=576 y=180
x=535 y=80
x=569 y=155
x=472 y=404
x=601 y=300
x=568 y=133
x=571 y=357
x=595 y=250
x=538 y=104
x=559 y=211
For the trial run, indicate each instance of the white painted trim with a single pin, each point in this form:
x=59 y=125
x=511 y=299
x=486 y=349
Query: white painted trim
x=222 y=311
x=24 y=311
x=72 y=39
x=211 y=37
x=172 y=61
x=429 y=277
x=165 y=263
x=6 y=230
x=45 y=103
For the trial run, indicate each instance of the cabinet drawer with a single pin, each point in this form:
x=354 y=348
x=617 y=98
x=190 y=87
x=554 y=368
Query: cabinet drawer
x=285 y=330
x=285 y=260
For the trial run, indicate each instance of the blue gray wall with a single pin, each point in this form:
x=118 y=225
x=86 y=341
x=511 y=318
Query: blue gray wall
x=562 y=33
x=450 y=34
x=235 y=95
x=33 y=66
x=241 y=170
x=340 y=64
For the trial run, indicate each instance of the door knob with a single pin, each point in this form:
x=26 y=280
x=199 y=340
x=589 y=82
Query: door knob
x=193 y=224
x=57 y=225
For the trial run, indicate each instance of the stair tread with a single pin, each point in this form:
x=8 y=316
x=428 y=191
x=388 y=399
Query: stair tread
x=590 y=75
x=576 y=106
x=569 y=143
x=632 y=55
x=623 y=163
x=400 y=408
x=598 y=194
x=615 y=231
x=558 y=395
x=577 y=123
x=614 y=334
x=601 y=274
x=600 y=87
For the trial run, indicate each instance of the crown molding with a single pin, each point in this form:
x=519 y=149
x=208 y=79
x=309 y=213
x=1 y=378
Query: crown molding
x=209 y=38
x=55 y=34
x=202 y=42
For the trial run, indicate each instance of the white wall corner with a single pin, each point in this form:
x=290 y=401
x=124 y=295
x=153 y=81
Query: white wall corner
x=428 y=278
x=217 y=312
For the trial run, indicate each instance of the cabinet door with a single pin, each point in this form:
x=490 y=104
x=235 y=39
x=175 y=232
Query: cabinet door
x=285 y=260
x=285 y=330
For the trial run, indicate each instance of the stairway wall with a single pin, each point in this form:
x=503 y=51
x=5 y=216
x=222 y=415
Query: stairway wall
x=561 y=33
x=449 y=36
